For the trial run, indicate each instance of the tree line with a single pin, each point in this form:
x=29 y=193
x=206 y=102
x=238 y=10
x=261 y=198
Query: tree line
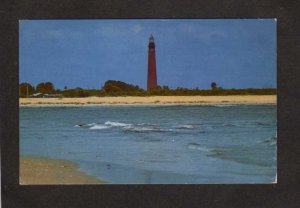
x=119 y=88
x=48 y=88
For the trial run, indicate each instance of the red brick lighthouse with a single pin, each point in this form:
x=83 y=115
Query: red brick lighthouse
x=152 y=80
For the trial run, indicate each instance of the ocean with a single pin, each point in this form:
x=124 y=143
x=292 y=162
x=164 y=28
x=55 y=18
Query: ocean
x=196 y=144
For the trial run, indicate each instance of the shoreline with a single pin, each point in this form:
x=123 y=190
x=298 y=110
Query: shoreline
x=151 y=100
x=35 y=170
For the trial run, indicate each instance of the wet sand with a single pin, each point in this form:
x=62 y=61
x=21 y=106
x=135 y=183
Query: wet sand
x=152 y=100
x=38 y=171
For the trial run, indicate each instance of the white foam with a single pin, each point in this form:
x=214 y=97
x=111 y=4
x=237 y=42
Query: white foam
x=99 y=127
x=90 y=124
x=185 y=126
x=116 y=124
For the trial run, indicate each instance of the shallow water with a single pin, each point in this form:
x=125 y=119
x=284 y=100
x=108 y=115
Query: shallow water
x=157 y=144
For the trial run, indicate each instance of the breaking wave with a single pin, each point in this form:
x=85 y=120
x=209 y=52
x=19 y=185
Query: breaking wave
x=99 y=127
x=185 y=126
x=142 y=127
x=116 y=124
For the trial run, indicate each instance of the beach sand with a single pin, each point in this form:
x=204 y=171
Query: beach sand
x=38 y=171
x=151 y=100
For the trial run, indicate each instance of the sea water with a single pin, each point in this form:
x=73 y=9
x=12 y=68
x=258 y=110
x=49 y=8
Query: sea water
x=157 y=144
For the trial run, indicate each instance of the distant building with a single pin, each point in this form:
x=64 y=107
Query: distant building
x=37 y=95
x=152 y=79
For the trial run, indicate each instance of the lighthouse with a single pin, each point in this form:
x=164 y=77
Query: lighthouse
x=152 y=79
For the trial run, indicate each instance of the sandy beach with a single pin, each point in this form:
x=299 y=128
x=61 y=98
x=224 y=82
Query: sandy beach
x=152 y=100
x=35 y=171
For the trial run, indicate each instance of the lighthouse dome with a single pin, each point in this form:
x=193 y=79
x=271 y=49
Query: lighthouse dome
x=151 y=39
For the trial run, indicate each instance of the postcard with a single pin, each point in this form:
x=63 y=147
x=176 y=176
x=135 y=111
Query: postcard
x=148 y=101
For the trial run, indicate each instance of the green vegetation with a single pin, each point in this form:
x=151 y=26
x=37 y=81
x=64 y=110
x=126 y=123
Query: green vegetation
x=26 y=89
x=46 y=88
x=78 y=92
x=215 y=91
x=118 y=88
x=213 y=86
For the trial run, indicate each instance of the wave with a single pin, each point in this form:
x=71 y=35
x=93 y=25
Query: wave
x=144 y=129
x=99 y=127
x=270 y=141
x=243 y=155
x=116 y=124
x=210 y=152
x=221 y=125
x=197 y=146
x=229 y=125
x=224 y=105
x=186 y=126
x=274 y=142
x=139 y=127
x=263 y=124
x=147 y=124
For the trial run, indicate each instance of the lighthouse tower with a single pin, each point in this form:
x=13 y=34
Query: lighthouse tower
x=152 y=80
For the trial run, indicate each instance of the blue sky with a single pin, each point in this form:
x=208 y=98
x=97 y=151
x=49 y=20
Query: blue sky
x=234 y=53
